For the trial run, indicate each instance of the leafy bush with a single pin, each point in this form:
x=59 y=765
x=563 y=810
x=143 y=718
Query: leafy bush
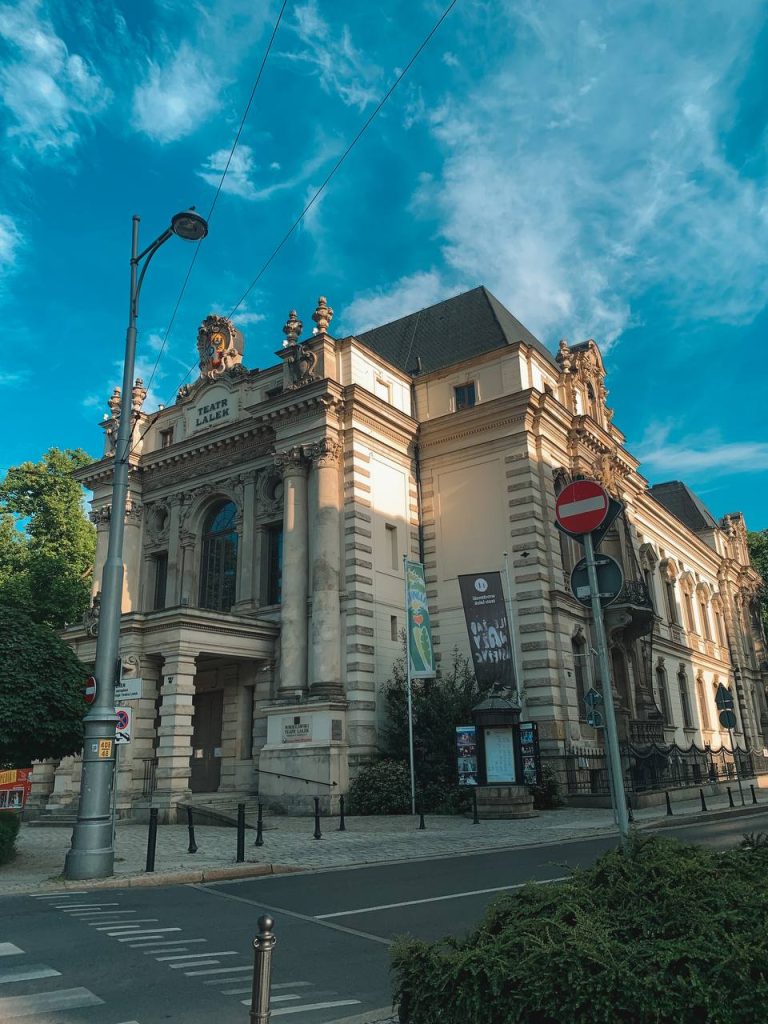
x=382 y=787
x=661 y=932
x=9 y=829
x=546 y=795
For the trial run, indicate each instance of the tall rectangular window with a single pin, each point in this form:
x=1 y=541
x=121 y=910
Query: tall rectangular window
x=392 y=552
x=669 y=590
x=166 y=438
x=685 y=699
x=701 y=694
x=705 y=620
x=160 y=566
x=661 y=686
x=464 y=396
x=274 y=564
x=393 y=627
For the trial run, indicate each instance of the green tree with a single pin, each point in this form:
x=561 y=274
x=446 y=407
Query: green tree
x=47 y=544
x=41 y=693
x=757 y=541
x=439 y=705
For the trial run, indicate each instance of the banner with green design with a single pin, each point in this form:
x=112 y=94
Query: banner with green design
x=419 y=633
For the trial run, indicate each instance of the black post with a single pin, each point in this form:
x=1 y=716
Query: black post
x=754 y=795
x=630 y=815
x=703 y=804
x=422 y=826
x=730 y=797
x=475 y=816
x=263 y=945
x=259 y=829
x=318 y=834
x=151 y=840
x=191 y=830
x=342 y=826
x=240 y=833
x=669 y=804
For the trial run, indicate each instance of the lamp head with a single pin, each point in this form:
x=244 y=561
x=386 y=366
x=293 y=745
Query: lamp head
x=189 y=225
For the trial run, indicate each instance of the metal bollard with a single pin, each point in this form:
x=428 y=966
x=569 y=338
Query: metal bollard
x=669 y=804
x=191 y=830
x=240 y=833
x=422 y=825
x=259 y=829
x=754 y=795
x=263 y=945
x=151 y=840
x=342 y=825
x=703 y=802
x=630 y=815
x=475 y=815
x=730 y=797
x=318 y=834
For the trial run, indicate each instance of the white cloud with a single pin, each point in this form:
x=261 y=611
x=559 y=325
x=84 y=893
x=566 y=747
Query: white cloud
x=590 y=170
x=52 y=95
x=13 y=380
x=238 y=178
x=699 y=453
x=383 y=305
x=176 y=97
x=10 y=242
x=244 y=319
x=332 y=56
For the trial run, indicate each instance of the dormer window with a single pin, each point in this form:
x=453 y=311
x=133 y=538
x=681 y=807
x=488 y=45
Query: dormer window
x=464 y=396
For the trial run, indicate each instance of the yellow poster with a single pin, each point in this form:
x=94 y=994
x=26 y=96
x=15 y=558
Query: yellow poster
x=105 y=748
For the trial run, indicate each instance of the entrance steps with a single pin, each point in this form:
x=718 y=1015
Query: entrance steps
x=220 y=809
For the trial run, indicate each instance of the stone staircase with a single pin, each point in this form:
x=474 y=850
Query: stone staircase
x=51 y=817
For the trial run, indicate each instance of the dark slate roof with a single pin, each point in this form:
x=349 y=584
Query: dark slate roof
x=450 y=331
x=680 y=500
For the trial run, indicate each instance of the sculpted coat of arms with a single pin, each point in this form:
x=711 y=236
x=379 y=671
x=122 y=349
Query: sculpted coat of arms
x=220 y=346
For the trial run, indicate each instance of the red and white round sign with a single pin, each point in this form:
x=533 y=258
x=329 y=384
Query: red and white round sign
x=90 y=690
x=582 y=506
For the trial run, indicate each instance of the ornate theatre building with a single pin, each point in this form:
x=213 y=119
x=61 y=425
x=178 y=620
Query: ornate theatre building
x=268 y=517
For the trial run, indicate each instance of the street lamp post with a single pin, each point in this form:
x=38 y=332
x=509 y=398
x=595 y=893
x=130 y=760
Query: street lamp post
x=92 y=854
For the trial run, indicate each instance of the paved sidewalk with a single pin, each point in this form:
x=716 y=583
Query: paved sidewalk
x=289 y=843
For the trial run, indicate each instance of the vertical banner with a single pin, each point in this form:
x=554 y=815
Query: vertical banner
x=466 y=755
x=486 y=614
x=419 y=633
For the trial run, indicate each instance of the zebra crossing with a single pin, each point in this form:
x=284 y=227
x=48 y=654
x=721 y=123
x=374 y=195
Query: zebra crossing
x=177 y=952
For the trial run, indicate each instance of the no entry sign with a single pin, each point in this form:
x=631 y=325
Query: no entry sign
x=582 y=506
x=90 y=690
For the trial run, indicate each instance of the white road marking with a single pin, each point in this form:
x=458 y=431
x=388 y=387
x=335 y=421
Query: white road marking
x=85 y=914
x=8 y=949
x=305 y=1007
x=242 y=991
x=123 y=926
x=149 y=933
x=42 y=1002
x=84 y=906
x=57 y=895
x=29 y=973
x=152 y=945
x=196 y=956
x=282 y=999
x=200 y=963
x=217 y=970
x=439 y=899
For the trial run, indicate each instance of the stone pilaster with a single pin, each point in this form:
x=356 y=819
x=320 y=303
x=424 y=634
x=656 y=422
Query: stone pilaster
x=247 y=577
x=175 y=734
x=173 y=578
x=293 y=617
x=325 y=662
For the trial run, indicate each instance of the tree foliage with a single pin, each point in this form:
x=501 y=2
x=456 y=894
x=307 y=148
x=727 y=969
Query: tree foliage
x=41 y=693
x=47 y=544
x=757 y=541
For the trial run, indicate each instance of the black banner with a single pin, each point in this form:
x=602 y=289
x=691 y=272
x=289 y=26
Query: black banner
x=488 y=627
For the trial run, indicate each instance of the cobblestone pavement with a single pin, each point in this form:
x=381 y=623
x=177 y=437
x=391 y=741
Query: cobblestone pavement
x=289 y=842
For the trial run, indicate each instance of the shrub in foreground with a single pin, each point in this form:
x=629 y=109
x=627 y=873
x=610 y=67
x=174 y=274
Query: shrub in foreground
x=382 y=787
x=662 y=932
x=9 y=829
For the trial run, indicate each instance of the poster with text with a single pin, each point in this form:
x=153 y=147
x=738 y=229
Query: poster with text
x=466 y=754
x=485 y=612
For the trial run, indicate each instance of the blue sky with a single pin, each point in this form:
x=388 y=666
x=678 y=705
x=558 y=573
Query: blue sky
x=600 y=166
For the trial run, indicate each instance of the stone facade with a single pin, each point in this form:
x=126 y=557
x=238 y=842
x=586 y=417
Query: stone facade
x=268 y=515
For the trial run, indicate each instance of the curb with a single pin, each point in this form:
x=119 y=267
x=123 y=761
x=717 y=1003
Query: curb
x=694 y=819
x=206 y=874
x=384 y=1015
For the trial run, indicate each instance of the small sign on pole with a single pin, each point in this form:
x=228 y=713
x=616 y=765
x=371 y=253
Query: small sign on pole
x=90 y=689
x=582 y=506
x=123 y=725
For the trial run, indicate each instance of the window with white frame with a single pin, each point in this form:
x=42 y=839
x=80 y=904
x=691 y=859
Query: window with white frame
x=464 y=396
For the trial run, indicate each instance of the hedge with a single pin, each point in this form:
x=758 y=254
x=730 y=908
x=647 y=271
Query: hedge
x=663 y=932
x=9 y=829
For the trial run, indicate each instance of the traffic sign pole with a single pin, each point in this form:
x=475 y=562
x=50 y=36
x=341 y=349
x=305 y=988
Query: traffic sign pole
x=611 y=732
x=736 y=767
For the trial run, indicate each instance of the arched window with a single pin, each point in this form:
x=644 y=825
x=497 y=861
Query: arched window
x=661 y=688
x=219 y=562
x=685 y=699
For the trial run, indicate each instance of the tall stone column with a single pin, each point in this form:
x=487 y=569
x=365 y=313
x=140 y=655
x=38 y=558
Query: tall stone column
x=175 y=734
x=246 y=575
x=293 y=617
x=173 y=578
x=326 y=627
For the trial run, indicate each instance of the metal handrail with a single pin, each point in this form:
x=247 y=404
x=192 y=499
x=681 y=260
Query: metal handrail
x=299 y=778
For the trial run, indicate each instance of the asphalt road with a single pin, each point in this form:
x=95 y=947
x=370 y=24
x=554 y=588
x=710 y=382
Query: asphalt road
x=183 y=953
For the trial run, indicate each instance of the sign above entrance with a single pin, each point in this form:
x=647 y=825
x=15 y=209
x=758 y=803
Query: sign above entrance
x=214 y=406
x=298 y=730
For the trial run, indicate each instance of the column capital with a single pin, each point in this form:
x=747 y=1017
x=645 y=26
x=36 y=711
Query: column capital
x=325 y=452
x=292 y=461
x=179 y=663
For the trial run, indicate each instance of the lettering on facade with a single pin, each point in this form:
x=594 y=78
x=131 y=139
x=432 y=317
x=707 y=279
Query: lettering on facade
x=205 y=414
x=297 y=731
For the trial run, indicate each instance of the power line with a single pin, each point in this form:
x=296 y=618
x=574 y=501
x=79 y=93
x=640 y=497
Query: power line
x=344 y=156
x=213 y=206
x=327 y=180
